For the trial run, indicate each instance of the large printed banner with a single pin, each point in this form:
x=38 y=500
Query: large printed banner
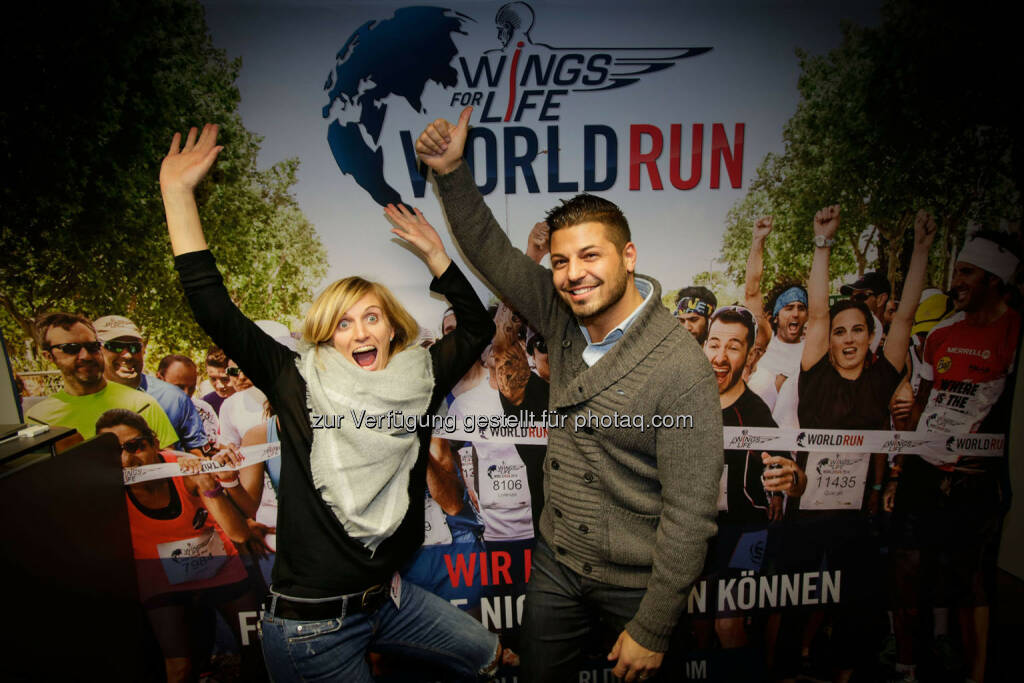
x=864 y=447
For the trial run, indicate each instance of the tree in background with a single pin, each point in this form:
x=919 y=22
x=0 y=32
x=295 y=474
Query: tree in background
x=96 y=94
x=911 y=114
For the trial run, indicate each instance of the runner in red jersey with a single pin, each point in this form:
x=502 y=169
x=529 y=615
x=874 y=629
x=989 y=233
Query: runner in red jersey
x=948 y=512
x=182 y=531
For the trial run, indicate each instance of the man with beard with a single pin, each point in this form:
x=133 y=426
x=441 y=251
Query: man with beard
x=69 y=341
x=124 y=352
x=753 y=482
x=781 y=359
x=694 y=305
x=628 y=511
x=949 y=512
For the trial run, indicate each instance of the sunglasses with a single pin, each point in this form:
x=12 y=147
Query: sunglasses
x=233 y=371
x=133 y=446
x=74 y=348
x=120 y=346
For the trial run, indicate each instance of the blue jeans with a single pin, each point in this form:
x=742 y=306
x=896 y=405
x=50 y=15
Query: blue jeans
x=568 y=615
x=425 y=627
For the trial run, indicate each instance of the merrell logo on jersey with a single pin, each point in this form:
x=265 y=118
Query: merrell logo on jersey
x=964 y=351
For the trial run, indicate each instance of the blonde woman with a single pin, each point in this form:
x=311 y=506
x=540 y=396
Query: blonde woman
x=350 y=503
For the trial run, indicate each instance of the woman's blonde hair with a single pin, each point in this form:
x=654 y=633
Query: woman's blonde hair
x=323 y=316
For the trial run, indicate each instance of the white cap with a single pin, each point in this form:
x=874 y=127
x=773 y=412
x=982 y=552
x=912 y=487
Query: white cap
x=988 y=255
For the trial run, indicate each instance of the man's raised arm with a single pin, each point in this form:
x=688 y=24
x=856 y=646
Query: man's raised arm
x=755 y=269
x=518 y=279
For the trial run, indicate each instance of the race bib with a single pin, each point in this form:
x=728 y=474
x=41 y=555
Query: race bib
x=468 y=466
x=502 y=480
x=835 y=481
x=435 y=524
x=723 y=490
x=193 y=559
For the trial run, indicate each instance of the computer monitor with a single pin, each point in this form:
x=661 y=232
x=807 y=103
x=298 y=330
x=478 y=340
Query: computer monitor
x=10 y=399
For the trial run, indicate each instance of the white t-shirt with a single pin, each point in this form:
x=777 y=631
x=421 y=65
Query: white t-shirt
x=240 y=412
x=500 y=474
x=780 y=358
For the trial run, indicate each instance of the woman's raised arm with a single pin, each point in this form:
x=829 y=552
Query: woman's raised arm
x=826 y=222
x=182 y=169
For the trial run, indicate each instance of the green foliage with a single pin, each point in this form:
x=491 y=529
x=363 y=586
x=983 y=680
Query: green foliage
x=897 y=118
x=97 y=97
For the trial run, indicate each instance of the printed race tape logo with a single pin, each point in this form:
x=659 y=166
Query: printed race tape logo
x=745 y=441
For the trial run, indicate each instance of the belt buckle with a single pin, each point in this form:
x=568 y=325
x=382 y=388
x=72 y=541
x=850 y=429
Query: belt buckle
x=371 y=595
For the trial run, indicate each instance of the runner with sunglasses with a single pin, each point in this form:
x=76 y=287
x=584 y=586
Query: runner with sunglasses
x=243 y=409
x=124 y=352
x=183 y=532
x=69 y=341
x=350 y=510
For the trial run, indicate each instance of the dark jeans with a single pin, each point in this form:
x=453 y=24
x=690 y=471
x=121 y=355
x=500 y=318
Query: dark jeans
x=567 y=614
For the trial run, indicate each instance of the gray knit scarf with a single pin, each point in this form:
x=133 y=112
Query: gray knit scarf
x=362 y=474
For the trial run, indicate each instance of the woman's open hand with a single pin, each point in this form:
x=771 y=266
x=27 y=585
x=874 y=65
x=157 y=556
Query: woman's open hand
x=414 y=229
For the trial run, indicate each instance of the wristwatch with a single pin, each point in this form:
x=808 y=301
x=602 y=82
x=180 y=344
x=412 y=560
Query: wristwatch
x=821 y=241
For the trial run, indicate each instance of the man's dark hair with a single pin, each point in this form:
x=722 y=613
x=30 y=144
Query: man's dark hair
x=774 y=295
x=726 y=315
x=588 y=208
x=170 y=359
x=216 y=357
x=697 y=292
x=846 y=304
x=59 y=319
x=128 y=418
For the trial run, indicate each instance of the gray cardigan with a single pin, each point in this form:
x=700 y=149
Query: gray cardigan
x=624 y=506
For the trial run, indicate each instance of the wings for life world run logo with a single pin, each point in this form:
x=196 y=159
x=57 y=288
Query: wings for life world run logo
x=517 y=81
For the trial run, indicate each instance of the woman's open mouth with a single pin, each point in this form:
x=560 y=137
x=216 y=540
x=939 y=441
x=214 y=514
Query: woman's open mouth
x=365 y=356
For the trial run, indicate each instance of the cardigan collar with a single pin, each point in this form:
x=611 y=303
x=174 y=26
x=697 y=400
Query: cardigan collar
x=579 y=383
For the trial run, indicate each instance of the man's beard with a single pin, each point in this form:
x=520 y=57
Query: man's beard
x=614 y=290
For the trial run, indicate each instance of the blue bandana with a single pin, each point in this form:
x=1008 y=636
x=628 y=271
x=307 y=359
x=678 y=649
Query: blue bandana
x=789 y=296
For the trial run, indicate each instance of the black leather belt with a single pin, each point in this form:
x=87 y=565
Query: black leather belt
x=368 y=600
